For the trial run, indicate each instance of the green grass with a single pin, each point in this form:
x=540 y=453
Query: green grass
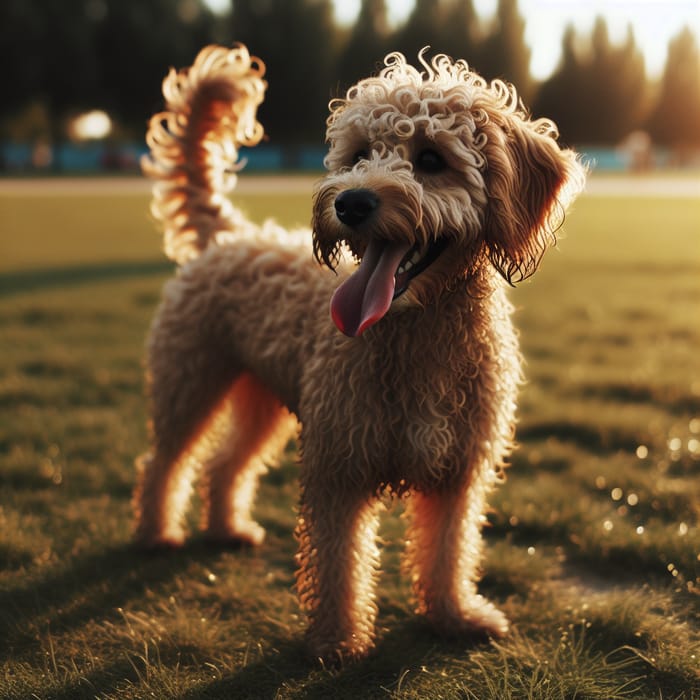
x=55 y=231
x=593 y=544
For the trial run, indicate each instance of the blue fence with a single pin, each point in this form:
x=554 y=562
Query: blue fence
x=18 y=158
x=94 y=157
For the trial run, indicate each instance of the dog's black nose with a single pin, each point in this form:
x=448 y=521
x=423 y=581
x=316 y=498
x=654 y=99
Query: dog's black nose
x=353 y=207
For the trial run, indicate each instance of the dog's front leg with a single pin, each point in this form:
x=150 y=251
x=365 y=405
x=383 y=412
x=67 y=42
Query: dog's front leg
x=443 y=556
x=338 y=559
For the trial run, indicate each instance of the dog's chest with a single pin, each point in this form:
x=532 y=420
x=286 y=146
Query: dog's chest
x=405 y=414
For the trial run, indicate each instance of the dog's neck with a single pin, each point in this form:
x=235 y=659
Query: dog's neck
x=466 y=303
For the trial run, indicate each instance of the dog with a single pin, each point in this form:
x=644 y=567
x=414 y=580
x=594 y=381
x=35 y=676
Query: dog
x=395 y=358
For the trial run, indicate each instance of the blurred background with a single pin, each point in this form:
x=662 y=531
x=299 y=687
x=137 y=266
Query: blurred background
x=621 y=79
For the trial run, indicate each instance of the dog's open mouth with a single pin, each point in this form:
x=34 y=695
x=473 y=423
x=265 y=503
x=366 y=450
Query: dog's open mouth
x=416 y=261
x=385 y=273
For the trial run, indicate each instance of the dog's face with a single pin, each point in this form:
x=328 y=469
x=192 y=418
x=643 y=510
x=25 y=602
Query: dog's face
x=432 y=176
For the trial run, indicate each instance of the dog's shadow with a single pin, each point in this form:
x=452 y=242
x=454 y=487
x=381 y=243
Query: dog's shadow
x=97 y=585
x=67 y=597
x=410 y=648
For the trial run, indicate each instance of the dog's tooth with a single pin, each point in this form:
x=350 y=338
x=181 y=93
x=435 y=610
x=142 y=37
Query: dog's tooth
x=408 y=265
x=415 y=257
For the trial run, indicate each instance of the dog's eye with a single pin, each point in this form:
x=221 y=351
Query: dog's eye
x=359 y=155
x=430 y=161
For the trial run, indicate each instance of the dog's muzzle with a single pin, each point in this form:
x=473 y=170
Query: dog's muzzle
x=388 y=261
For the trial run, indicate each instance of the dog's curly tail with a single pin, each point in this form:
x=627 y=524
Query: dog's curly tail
x=210 y=112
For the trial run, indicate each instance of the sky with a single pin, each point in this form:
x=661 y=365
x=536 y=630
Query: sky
x=654 y=23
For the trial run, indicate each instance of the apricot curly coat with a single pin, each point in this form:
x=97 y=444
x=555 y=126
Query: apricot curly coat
x=440 y=191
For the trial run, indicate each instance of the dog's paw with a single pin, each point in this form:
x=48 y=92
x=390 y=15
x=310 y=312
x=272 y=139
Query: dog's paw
x=478 y=618
x=487 y=618
x=334 y=655
x=248 y=534
x=161 y=543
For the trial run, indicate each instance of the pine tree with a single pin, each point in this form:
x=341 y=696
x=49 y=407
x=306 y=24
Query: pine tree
x=136 y=44
x=423 y=28
x=615 y=83
x=675 y=121
x=595 y=96
x=367 y=45
x=296 y=39
x=560 y=97
x=505 y=54
x=461 y=34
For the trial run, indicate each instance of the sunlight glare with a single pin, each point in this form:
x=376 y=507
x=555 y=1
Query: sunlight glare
x=654 y=22
x=95 y=124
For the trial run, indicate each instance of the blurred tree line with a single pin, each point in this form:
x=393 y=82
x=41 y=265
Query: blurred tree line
x=65 y=56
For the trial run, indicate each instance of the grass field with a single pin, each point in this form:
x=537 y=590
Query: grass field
x=593 y=545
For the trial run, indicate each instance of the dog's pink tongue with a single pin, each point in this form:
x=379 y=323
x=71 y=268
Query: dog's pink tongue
x=367 y=294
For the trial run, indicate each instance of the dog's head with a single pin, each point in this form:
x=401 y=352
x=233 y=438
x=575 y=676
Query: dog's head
x=432 y=176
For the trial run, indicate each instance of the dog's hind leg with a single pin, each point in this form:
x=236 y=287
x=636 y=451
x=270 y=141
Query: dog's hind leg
x=189 y=381
x=443 y=559
x=259 y=427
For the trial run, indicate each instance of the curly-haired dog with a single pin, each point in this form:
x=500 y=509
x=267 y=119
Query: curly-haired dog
x=440 y=191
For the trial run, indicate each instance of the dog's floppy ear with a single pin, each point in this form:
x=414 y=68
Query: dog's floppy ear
x=530 y=181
